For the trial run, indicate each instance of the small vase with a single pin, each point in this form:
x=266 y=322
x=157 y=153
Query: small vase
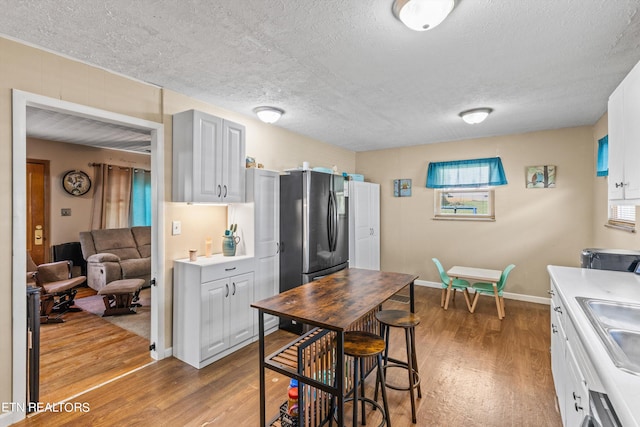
x=229 y=245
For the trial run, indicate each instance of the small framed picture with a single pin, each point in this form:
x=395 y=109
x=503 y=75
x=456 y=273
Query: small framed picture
x=402 y=188
x=541 y=176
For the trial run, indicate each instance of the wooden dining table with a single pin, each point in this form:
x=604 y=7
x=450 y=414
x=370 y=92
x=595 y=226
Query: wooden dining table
x=335 y=302
x=475 y=274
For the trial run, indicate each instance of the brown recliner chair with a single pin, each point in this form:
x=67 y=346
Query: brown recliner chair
x=56 y=285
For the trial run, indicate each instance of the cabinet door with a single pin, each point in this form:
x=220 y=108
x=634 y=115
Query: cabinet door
x=267 y=212
x=576 y=394
x=558 y=367
x=631 y=115
x=616 y=146
x=214 y=333
x=232 y=162
x=240 y=311
x=374 y=218
x=365 y=211
x=267 y=285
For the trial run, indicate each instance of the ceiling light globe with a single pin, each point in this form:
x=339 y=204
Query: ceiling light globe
x=268 y=114
x=475 y=116
x=422 y=15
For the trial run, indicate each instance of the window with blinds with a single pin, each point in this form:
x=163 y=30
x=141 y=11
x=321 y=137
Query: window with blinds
x=622 y=216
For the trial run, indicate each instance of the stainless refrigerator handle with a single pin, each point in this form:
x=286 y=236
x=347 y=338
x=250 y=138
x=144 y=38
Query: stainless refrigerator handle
x=335 y=221
x=330 y=222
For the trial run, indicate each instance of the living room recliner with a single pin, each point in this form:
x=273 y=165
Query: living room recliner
x=116 y=254
x=57 y=288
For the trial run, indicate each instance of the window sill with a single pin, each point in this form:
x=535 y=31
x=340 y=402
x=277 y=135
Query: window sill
x=464 y=218
x=627 y=228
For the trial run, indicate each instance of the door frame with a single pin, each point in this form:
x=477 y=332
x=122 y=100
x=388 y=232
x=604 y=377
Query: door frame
x=20 y=101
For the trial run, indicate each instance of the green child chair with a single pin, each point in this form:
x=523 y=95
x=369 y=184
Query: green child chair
x=489 y=289
x=460 y=284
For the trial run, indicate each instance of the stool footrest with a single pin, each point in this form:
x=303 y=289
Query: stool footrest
x=416 y=377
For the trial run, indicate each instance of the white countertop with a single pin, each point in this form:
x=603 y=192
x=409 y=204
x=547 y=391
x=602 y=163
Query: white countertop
x=622 y=387
x=213 y=259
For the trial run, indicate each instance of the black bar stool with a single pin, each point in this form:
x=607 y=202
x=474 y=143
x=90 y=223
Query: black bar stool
x=359 y=345
x=408 y=321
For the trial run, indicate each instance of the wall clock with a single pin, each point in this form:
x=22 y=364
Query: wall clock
x=76 y=183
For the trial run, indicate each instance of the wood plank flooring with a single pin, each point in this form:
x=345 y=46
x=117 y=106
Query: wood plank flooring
x=476 y=371
x=85 y=351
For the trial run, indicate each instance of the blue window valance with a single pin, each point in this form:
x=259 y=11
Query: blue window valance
x=603 y=156
x=466 y=173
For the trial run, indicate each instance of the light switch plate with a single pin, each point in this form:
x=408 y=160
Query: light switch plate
x=65 y=212
x=176 y=227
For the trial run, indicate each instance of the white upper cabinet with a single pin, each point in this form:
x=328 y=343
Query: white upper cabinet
x=364 y=225
x=208 y=159
x=624 y=140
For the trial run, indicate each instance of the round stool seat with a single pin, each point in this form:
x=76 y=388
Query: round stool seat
x=362 y=344
x=398 y=318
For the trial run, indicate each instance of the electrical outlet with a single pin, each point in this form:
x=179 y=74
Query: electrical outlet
x=65 y=212
x=176 y=228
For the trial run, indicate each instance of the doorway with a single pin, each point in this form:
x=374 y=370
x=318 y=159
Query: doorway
x=21 y=101
x=38 y=213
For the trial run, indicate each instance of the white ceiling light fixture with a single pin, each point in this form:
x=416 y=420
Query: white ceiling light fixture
x=475 y=116
x=268 y=114
x=422 y=15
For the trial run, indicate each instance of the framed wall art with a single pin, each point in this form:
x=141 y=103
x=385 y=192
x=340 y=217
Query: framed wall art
x=541 y=176
x=401 y=188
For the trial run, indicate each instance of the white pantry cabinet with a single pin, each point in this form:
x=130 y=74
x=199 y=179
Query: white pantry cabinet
x=364 y=225
x=212 y=316
x=208 y=159
x=259 y=226
x=624 y=140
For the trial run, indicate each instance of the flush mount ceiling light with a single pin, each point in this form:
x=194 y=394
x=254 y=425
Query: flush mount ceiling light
x=268 y=114
x=475 y=116
x=422 y=15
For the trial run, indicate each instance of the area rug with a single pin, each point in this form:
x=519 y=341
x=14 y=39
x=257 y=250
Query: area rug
x=139 y=323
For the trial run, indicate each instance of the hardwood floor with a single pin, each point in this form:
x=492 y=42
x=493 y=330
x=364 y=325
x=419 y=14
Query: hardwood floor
x=85 y=351
x=476 y=371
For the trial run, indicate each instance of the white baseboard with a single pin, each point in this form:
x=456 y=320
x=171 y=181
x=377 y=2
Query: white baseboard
x=8 y=418
x=507 y=295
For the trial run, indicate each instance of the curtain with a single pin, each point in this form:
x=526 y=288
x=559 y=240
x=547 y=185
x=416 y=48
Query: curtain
x=603 y=156
x=112 y=197
x=466 y=173
x=141 y=198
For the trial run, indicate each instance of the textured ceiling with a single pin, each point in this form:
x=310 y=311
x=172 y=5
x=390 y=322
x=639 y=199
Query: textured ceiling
x=346 y=71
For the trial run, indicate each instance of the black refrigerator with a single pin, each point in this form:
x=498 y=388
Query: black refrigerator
x=314 y=234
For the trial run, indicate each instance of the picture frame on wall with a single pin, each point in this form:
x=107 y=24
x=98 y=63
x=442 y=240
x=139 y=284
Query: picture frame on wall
x=401 y=188
x=541 y=176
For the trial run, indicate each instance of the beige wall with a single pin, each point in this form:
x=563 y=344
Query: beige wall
x=533 y=227
x=64 y=157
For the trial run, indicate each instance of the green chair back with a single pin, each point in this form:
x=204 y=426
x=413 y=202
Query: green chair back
x=503 y=277
x=443 y=274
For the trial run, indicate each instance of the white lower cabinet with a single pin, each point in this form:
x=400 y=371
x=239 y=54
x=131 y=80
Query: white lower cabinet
x=212 y=314
x=570 y=369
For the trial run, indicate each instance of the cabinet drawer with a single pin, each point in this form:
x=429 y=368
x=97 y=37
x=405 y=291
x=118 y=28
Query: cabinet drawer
x=226 y=269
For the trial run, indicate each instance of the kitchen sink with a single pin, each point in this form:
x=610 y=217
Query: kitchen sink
x=618 y=325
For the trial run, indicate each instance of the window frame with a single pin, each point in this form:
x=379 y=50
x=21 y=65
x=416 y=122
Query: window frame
x=438 y=213
x=621 y=220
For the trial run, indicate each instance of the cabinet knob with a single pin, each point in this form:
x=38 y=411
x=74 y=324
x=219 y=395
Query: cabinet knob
x=219 y=190
x=234 y=288
x=225 y=191
x=558 y=309
x=550 y=292
x=619 y=184
x=277 y=247
x=578 y=407
x=227 y=286
x=554 y=329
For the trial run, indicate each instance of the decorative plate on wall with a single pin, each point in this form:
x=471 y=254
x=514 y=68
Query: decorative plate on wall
x=76 y=183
